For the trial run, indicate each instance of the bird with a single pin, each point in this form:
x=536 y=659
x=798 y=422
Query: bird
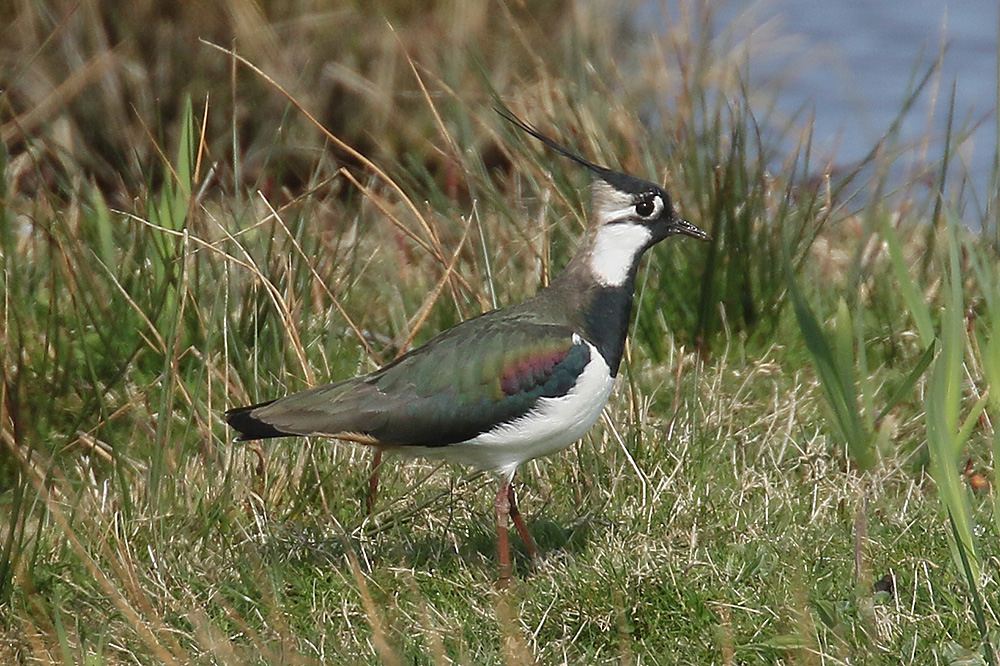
x=511 y=384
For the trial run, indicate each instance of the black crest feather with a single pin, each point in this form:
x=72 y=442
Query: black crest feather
x=618 y=180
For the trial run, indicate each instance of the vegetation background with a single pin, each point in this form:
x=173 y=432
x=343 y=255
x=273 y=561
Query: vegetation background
x=205 y=204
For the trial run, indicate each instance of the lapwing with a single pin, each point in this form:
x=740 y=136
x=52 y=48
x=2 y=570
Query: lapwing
x=511 y=384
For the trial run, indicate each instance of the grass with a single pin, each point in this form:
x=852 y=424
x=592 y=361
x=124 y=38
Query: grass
x=171 y=247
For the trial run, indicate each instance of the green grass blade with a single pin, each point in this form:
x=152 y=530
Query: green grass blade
x=996 y=496
x=102 y=221
x=940 y=445
x=186 y=156
x=911 y=295
x=859 y=372
x=906 y=388
x=843 y=350
x=953 y=336
x=969 y=424
x=839 y=393
x=63 y=638
x=973 y=583
x=945 y=438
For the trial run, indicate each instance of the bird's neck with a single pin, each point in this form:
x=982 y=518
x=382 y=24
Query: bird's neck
x=599 y=308
x=606 y=322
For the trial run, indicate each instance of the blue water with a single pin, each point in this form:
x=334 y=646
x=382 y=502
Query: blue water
x=852 y=62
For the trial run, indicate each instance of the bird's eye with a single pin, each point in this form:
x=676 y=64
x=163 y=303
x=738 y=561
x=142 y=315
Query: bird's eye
x=645 y=208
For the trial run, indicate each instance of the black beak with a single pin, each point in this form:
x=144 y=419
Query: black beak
x=682 y=226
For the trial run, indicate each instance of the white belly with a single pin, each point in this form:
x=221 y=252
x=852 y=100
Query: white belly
x=551 y=426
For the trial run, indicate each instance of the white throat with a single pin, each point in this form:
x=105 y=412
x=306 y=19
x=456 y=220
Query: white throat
x=615 y=250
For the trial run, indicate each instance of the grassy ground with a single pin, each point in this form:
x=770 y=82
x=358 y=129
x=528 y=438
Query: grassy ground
x=771 y=482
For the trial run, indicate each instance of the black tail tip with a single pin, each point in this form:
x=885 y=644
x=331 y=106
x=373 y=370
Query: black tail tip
x=249 y=427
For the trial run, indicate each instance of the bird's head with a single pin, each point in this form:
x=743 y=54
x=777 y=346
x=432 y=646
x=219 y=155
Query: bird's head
x=629 y=215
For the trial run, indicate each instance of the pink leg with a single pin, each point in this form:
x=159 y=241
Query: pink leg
x=373 y=483
x=522 y=529
x=503 y=506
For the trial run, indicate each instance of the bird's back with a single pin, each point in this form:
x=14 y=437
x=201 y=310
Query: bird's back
x=485 y=371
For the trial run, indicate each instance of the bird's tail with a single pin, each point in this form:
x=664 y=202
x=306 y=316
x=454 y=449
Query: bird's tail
x=249 y=427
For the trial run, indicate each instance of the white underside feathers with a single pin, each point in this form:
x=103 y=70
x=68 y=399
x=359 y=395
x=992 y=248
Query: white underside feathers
x=553 y=425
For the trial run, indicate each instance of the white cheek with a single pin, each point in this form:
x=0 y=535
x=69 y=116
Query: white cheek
x=616 y=249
